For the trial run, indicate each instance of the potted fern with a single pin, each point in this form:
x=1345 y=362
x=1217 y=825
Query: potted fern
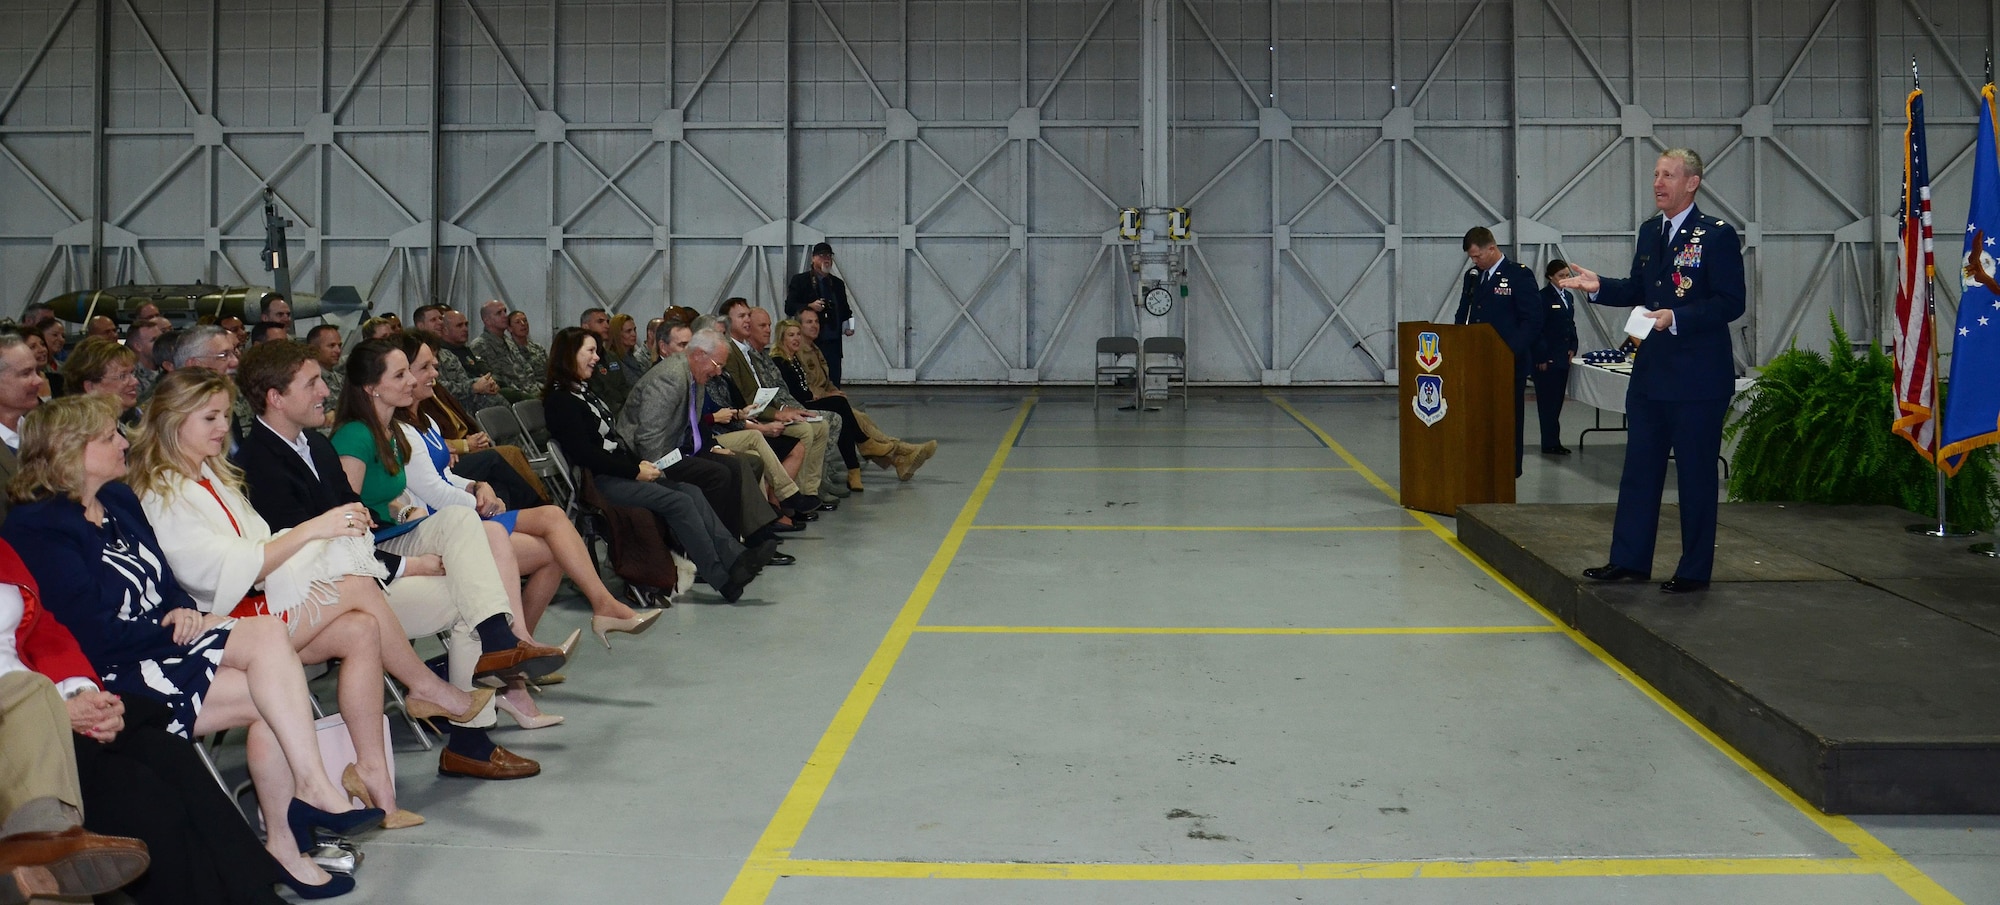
x=1817 y=431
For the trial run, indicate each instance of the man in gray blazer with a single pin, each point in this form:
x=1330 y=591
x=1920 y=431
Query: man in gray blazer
x=663 y=414
x=21 y=388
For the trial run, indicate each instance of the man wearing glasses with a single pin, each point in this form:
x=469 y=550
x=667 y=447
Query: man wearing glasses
x=215 y=349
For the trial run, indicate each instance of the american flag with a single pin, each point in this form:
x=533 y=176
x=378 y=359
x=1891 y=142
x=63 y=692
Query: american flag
x=1916 y=266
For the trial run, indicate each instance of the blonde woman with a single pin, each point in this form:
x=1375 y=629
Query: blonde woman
x=622 y=364
x=231 y=562
x=103 y=574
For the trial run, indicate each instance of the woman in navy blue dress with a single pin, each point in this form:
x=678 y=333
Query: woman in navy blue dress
x=86 y=540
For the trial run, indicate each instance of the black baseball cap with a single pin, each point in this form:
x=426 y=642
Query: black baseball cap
x=822 y=249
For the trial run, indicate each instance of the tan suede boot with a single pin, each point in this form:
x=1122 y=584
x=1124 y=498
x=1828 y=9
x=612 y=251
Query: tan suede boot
x=854 y=480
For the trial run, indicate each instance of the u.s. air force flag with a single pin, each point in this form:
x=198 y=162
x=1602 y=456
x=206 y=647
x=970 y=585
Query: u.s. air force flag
x=1972 y=404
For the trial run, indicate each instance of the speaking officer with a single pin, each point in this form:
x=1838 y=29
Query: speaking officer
x=1502 y=293
x=1688 y=271
x=825 y=293
x=1553 y=350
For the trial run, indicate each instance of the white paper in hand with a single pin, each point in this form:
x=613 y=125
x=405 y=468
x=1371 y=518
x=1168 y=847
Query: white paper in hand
x=667 y=461
x=1640 y=324
x=763 y=400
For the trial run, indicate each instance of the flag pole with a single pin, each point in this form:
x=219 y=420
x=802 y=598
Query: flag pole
x=1942 y=528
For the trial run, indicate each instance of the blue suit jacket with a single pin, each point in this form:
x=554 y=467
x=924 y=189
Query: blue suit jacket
x=1511 y=301
x=1558 y=340
x=1701 y=279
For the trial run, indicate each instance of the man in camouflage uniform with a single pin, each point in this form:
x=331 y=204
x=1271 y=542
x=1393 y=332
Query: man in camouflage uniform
x=326 y=345
x=508 y=362
x=537 y=357
x=457 y=365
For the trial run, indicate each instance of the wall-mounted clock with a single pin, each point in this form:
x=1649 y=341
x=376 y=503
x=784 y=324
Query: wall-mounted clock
x=1159 y=301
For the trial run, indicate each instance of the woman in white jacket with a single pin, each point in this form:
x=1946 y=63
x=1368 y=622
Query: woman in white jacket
x=227 y=558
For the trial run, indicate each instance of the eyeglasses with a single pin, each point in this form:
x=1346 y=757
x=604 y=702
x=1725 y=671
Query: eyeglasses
x=229 y=355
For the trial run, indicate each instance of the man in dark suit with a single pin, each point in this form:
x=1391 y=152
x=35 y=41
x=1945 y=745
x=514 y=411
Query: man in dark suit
x=825 y=293
x=1552 y=351
x=293 y=474
x=1688 y=274
x=1502 y=293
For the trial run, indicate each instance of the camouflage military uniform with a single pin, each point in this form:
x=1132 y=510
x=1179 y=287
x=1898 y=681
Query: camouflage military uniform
x=509 y=364
x=149 y=378
x=538 y=364
x=456 y=377
x=335 y=379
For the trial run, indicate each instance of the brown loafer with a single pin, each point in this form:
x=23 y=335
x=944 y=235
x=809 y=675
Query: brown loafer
x=73 y=862
x=504 y=764
x=524 y=658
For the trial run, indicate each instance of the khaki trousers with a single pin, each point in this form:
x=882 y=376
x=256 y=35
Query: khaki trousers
x=39 y=760
x=813 y=434
x=751 y=443
x=469 y=593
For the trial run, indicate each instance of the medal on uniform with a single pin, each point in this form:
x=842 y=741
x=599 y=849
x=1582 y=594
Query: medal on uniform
x=1682 y=283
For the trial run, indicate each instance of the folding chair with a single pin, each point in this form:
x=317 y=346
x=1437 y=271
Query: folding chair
x=1173 y=351
x=503 y=427
x=533 y=424
x=1115 y=347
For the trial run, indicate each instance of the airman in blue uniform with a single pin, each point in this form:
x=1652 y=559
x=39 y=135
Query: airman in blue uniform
x=1502 y=293
x=1688 y=273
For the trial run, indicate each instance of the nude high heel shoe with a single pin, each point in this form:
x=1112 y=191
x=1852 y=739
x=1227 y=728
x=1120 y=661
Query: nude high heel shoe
x=475 y=716
x=398 y=819
x=603 y=626
x=537 y=721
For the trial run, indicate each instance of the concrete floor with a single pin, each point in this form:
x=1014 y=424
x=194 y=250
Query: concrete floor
x=1047 y=689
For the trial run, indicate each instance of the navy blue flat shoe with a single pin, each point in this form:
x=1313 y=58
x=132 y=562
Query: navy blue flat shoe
x=305 y=818
x=336 y=885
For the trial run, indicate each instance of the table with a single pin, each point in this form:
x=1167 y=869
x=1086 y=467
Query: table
x=1603 y=389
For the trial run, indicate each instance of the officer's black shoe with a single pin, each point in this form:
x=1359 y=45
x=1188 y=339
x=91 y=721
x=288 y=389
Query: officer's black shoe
x=1555 y=450
x=1678 y=585
x=1614 y=572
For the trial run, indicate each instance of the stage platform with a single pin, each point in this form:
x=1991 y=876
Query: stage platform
x=1857 y=663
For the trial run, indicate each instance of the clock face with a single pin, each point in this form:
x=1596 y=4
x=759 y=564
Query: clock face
x=1159 y=301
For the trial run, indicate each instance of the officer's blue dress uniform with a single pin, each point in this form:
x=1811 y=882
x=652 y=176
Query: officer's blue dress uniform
x=1681 y=386
x=1510 y=302
x=1553 y=348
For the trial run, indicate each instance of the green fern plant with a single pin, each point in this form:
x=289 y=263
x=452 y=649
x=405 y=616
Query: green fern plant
x=1817 y=431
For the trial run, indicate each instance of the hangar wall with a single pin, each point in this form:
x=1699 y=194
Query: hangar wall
x=966 y=157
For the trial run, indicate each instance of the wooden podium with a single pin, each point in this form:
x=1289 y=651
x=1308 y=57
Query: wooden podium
x=1456 y=401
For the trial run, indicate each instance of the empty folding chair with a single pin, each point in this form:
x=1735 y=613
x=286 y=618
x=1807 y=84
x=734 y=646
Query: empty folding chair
x=1110 y=349
x=1171 y=363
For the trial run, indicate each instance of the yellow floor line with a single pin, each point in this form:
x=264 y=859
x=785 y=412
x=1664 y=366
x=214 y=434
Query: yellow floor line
x=1333 y=870
x=1235 y=630
x=754 y=881
x=1141 y=469
x=1041 y=428
x=1865 y=846
x=1300 y=529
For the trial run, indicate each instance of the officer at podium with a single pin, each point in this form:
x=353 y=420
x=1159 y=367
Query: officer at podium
x=1502 y=293
x=1688 y=274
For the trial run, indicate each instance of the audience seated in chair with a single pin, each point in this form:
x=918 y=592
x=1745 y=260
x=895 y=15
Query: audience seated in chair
x=905 y=458
x=783 y=415
x=102 y=573
x=581 y=425
x=443 y=574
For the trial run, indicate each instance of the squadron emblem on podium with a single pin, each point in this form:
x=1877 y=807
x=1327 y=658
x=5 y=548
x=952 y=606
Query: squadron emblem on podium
x=1429 y=402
